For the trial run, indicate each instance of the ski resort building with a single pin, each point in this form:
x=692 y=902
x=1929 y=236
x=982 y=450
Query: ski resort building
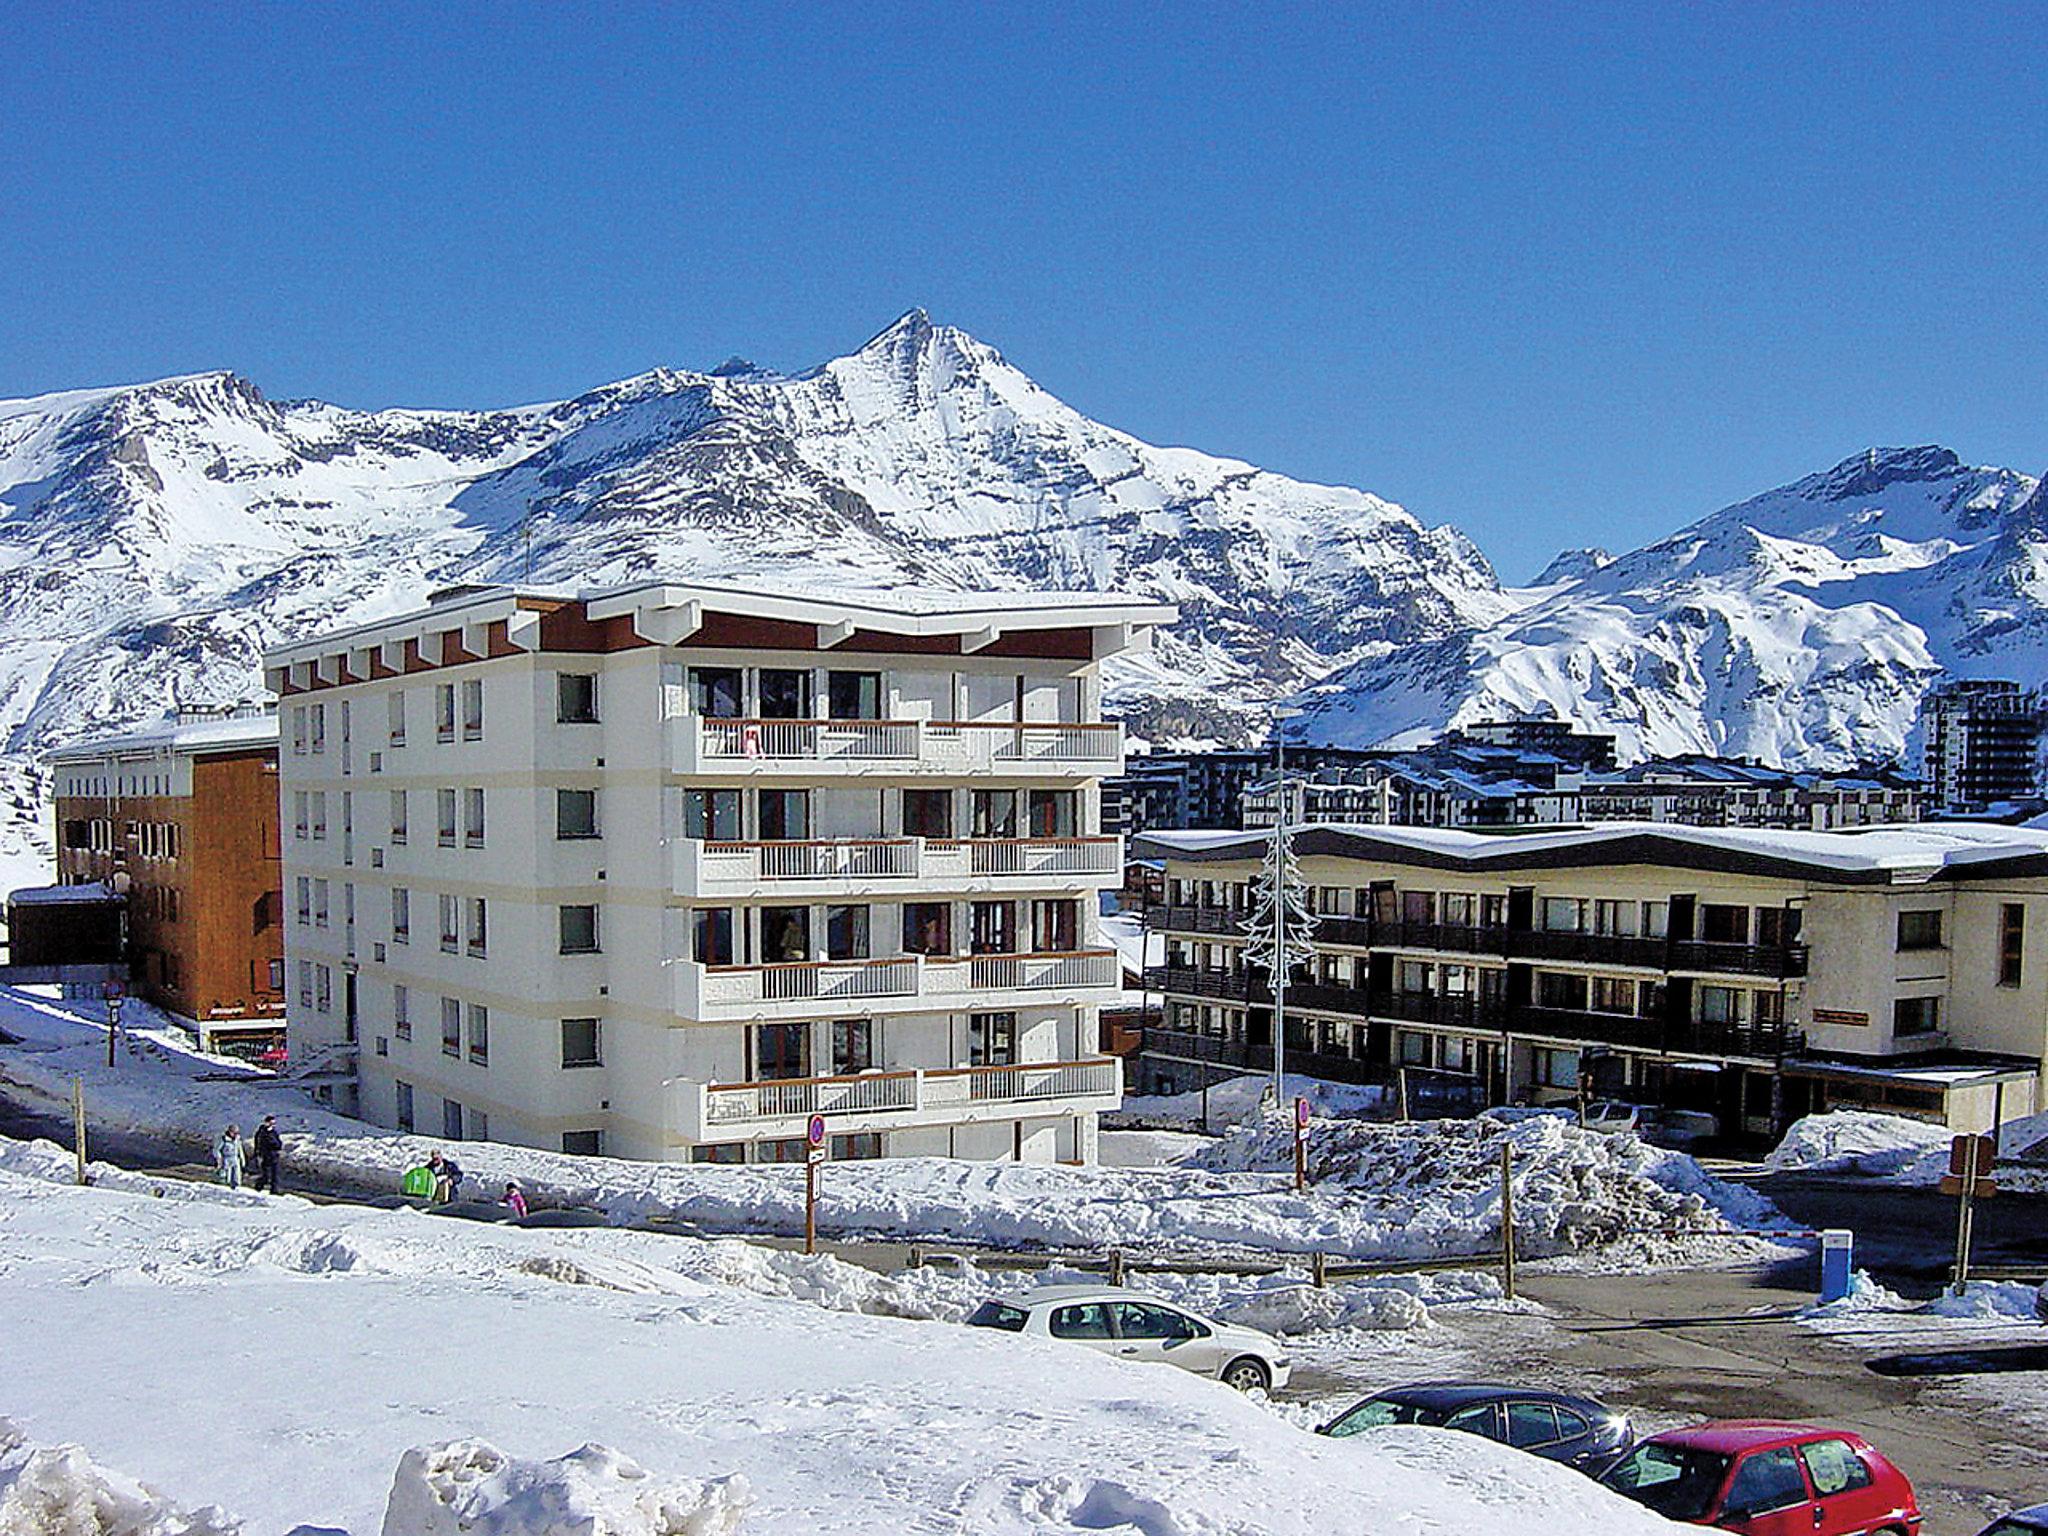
x=180 y=823
x=1752 y=975
x=664 y=871
x=1983 y=744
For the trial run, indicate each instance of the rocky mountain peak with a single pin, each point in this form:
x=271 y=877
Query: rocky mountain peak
x=1875 y=470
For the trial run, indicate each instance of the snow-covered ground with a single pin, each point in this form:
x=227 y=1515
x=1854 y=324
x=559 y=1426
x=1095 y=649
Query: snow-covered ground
x=1424 y=1189
x=1899 y=1150
x=298 y=1365
x=1237 y=1099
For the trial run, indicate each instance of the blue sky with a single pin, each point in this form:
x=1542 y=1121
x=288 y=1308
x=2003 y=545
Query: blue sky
x=1558 y=275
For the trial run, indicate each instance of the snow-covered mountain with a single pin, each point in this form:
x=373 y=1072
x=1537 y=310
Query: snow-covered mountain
x=1801 y=626
x=154 y=538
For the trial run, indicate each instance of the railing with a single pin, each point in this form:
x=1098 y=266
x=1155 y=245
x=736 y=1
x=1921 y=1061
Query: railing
x=1588 y=948
x=1181 y=917
x=878 y=858
x=1459 y=1009
x=947 y=745
x=940 y=1094
x=1780 y=960
x=1026 y=972
x=806 y=979
x=741 y=867
x=705 y=989
x=1025 y=856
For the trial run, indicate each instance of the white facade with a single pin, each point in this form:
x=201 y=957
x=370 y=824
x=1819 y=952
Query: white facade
x=663 y=872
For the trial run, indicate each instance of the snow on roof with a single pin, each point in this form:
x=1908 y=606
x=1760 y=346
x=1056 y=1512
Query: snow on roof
x=61 y=895
x=165 y=736
x=1921 y=848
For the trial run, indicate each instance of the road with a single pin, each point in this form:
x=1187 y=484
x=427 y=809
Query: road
x=1910 y=1234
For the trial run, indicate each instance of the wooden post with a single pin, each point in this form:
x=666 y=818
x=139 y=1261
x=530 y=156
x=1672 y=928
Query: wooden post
x=1319 y=1269
x=1116 y=1266
x=916 y=1257
x=1402 y=1079
x=113 y=1027
x=1507 y=1221
x=810 y=1205
x=78 y=1123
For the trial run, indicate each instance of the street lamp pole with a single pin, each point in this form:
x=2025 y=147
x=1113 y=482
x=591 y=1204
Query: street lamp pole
x=1281 y=715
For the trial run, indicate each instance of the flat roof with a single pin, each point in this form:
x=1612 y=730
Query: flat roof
x=232 y=734
x=1905 y=854
x=90 y=892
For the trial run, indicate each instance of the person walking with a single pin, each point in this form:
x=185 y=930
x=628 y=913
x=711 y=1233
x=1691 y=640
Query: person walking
x=268 y=1147
x=515 y=1197
x=227 y=1157
x=447 y=1177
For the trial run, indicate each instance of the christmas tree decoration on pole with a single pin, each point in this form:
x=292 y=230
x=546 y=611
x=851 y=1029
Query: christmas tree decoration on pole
x=1280 y=924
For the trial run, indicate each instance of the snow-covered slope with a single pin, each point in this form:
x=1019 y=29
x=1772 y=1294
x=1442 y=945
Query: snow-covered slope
x=153 y=538
x=1801 y=626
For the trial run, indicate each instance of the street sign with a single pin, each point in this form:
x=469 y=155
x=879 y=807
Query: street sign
x=1972 y=1156
x=815 y=1131
x=113 y=987
x=1301 y=1113
x=814 y=1154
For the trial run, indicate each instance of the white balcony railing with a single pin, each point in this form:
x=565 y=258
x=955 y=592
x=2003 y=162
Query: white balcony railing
x=796 y=989
x=706 y=744
x=709 y=1111
x=742 y=868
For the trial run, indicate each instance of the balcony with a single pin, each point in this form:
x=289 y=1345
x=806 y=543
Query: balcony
x=953 y=748
x=900 y=984
x=1182 y=918
x=880 y=1101
x=857 y=866
x=1779 y=961
x=1676 y=1037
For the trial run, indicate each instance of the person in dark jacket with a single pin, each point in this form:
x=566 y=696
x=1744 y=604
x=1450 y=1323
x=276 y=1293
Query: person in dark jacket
x=447 y=1177
x=268 y=1149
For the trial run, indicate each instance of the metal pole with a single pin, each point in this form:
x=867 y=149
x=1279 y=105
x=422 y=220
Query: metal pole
x=1280 y=917
x=810 y=1203
x=113 y=1019
x=78 y=1123
x=1507 y=1221
x=1962 y=1274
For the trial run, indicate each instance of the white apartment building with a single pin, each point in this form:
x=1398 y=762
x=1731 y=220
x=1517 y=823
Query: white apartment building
x=665 y=870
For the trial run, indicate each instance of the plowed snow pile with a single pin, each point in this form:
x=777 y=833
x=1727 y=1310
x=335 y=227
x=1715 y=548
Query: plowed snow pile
x=1857 y=1141
x=471 y=1488
x=58 y=1490
x=1574 y=1189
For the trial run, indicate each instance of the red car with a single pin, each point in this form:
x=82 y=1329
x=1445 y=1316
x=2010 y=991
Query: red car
x=1769 y=1479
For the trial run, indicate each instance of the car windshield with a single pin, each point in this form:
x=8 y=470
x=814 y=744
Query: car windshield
x=1376 y=1412
x=995 y=1314
x=2011 y=1528
x=1677 y=1481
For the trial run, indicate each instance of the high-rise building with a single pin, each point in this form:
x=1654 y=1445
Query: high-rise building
x=665 y=871
x=1983 y=743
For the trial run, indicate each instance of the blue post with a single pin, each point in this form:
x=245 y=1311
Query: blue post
x=1837 y=1263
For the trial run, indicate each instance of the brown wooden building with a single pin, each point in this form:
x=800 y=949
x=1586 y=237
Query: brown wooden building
x=184 y=816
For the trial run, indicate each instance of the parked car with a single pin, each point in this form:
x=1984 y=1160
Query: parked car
x=2041 y=1303
x=1611 y=1116
x=1134 y=1326
x=1679 y=1128
x=1769 y=1479
x=1554 y=1425
x=2031 y=1521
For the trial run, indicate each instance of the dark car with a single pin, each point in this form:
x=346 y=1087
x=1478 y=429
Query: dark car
x=1557 y=1426
x=2031 y=1521
x=1769 y=1479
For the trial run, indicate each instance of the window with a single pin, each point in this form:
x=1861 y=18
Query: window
x=303 y=889
x=846 y=933
x=717 y=692
x=785 y=694
x=1656 y=919
x=785 y=935
x=404 y=1096
x=1916 y=1015
x=994 y=812
x=323 y=988
x=401 y=915
x=398 y=822
x=927 y=928
x=991 y=1039
x=394 y=709
x=479 y=926
x=319 y=719
x=444 y=802
x=576 y=698
x=319 y=815
x=1558 y=989
x=1763 y=1481
x=1142 y=1320
x=1563 y=914
x=451 y=1027
x=575 y=813
x=473 y=709
x=1777 y=927
x=1418 y=906
x=1055 y=926
x=1090 y=1320
x=479 y=1125
x=451 y=1120
x=320 y=904
x=302 y=823
x=1920 y=930
x=785 y=815
x=782 y=1051
x=1834 y=1467
x=305 y=983
x=853 y=1046
x=1556 y=1068
x=401 y=1012
x=473 y=818
x=2012 y=939
x=1720 y=1005
x=1613 y=995
x=1531 y=1424
x=583 y=1143
x=578 y=927
x=451 y=932
x=1617 y=919
x=860 y=1145
x=277 y=975
x=711 y=815
x=299 y=730
x=1723 y=924
x=580 y=1043
x=1414 y=1048
x=928 y=813
x=480 y=1034
x=854 y=695
x=1457 y=909
x=1053 y=812
x=711 y=935
x=444 y=711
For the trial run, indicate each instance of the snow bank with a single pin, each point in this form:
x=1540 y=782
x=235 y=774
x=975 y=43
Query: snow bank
x=1859 y=1141
x=61 y=1491
x=1235 y=1100
x=1988 y=1300
x=471 y=1488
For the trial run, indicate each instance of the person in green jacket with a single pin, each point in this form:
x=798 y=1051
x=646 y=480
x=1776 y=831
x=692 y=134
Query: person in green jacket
x=418 y=1181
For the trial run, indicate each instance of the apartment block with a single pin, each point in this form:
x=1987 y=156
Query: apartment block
x=1983 y=744
x=665 y=870
x=1756 y=975
x=181 y=820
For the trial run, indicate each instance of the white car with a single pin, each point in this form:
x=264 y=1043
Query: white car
x=1134 y=1326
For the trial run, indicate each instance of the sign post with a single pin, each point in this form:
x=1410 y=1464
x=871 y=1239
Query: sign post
x=78 y=1123
x=113 y=1022
x=1300 y=1145
x=1507 y=1220
x=1970 y=1159
x=814 y=1154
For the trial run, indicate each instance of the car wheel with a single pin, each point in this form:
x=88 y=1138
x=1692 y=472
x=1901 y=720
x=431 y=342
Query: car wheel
x=1245 y=1373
